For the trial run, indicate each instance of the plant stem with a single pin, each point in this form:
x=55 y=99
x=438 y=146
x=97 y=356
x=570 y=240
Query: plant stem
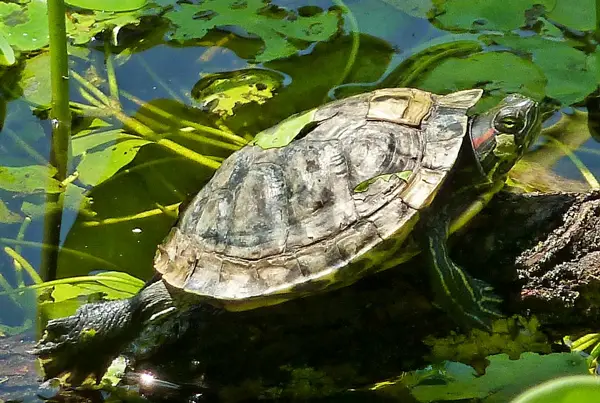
x=61 y=130
x=143 y=214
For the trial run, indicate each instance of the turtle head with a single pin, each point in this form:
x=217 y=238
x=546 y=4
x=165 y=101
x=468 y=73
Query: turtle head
x=501 y=135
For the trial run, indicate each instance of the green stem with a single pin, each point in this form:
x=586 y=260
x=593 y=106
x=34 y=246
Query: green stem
x=66 y=251
x=24 y=263
x=18 y=266
x=90 y=88
x=204 y=140
x=146 y=132
x=112 y=76
x=138 y=216
x=60 y=115
x=26 y=147
x=202 y=128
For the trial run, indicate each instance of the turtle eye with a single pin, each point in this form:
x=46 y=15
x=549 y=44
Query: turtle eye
x=509 y=124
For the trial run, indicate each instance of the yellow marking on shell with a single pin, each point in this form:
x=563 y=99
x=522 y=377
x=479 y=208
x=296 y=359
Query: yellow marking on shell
x=406 y=106
x=461 y=99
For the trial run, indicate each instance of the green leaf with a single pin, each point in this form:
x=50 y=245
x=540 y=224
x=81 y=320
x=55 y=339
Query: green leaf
x=96 y=167
x=570 y=73
x=87 y=140
x=275 y=26
x=83 y=27
x=496 y=72
x=504 y=377
x=7 y=55
x=283 y=133
x=63 y=299
x=29 y=179
x=75 y=199
x=224 y=91
x=35 y=80
x=484 y=15
x=25 y=27
x=108 y=5
x=112 y=285
x=364 y=186
x=581 y=18
x=572 y=389
x=7 y=216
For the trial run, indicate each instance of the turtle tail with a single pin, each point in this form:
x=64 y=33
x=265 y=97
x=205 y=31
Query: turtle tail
x=82 y=346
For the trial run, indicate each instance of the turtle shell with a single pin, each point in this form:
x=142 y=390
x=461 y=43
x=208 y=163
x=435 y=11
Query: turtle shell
x=318 y=201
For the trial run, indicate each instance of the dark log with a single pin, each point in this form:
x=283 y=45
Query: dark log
x=541 y=252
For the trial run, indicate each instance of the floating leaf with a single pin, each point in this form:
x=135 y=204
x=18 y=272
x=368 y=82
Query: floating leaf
x=283 y=133
x=36 y=81
x=273 y=25
x=85 y=141
x=504 y=378
x=222 y=92
x=96 y=167
x=484 y=15
x=108 y=5
x=7 y=216
x=570 y=73
x=7 y=55
x=112 y=285
x=75 y=199
x=63 y=299
x=29 y=179
x=84 y=27
x=570 y=389
x=581 y=18
x=364 y=186
x=25 y=26
x=496 y=72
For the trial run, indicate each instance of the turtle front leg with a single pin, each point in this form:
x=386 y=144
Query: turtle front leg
x=470 y=301
x=83 y=345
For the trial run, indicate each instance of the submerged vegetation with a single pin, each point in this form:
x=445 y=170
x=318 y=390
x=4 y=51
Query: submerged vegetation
x=161 y=92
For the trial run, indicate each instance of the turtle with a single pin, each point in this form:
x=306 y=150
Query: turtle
x=317 y=202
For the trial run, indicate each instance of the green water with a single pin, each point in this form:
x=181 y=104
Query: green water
x=547 y=52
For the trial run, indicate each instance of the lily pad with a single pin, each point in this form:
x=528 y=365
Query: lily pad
x=222 y=92
x=7 y=216
x=484 y=15
x=36 y=81
x=75 y=199
x=581 y=18
x=25 y=26
x=29 y=179
x=87 y=140
x=108 y=5
x=276 y=27
x=570 y=389
x=7 y=55
x=504 y=378
x=98 y=166
x=570 y=73
x=496 y=72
